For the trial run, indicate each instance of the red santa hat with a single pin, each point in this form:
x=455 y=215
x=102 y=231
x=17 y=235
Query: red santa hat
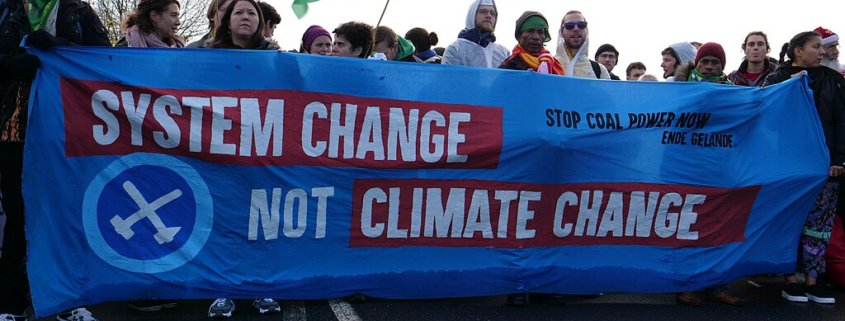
x=828 y=37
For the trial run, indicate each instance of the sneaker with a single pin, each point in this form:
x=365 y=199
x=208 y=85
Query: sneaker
x=794 y=292
x=78 y=314
x=820 y=294
x=7 y=317
x=267 y=306
x=152 y=306
x=221 y=308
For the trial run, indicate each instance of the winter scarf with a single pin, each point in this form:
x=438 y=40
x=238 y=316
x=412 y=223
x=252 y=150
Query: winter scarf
x=42 y=14
x=477 y=36
x=695 y=75
x=138 y=39
x=541 y=61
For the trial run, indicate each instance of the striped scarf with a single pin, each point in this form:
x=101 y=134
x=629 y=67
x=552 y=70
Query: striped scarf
x=541 y=61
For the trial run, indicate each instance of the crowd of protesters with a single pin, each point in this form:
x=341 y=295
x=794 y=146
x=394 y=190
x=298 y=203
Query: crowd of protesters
x=248 y=24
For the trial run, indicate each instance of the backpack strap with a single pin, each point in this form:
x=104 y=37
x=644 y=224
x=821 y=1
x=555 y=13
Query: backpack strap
x=596 y=69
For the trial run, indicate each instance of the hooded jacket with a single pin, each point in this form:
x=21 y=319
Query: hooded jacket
x=684 y=52
x=406 y=50
x=829 y=95
x=464 y=52
x=580 y=65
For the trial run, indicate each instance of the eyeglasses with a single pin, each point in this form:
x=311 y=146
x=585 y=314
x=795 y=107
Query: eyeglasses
x=571 y=25
x=485 y=12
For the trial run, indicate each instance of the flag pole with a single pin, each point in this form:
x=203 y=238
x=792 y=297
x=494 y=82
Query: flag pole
x=382 y=13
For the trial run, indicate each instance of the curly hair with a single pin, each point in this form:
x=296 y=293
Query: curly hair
x=141 y=15
x=359 y=35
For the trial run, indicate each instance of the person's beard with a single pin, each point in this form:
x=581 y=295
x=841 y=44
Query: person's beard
x=832 y=64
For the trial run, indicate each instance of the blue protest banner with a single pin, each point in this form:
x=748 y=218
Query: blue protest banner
x=203 y=173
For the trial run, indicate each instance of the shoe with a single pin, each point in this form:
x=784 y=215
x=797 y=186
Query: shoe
x=7 y=317
x=518 y=299
x=152 y=306
x=820 y=294
x=794 y=292
x=78 y=314
x=688 y=298
x=727 y=298
x=221 y=308
x=267 y=306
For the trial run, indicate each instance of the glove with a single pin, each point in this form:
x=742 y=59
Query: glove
x=44 y=40
x=21 y=66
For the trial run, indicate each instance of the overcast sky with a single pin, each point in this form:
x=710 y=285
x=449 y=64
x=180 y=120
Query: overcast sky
x=638 y=29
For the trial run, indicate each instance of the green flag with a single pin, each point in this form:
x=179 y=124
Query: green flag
x=300 y=7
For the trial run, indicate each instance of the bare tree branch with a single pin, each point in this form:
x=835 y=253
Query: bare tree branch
x=112 y=13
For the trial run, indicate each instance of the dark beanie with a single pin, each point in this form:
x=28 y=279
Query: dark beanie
x=710 y=49
x=606 y=47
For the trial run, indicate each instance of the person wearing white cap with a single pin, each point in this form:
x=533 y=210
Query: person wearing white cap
x=476 y=45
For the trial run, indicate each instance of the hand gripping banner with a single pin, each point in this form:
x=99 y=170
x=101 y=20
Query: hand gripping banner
x=196 y=173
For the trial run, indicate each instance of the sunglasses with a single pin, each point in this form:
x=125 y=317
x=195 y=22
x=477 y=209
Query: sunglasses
x=571 y=25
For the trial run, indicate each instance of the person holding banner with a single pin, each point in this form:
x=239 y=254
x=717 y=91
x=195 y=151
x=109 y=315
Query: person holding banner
x=476 y=45
x=532 y=32
x=316 y=41
x=805 y=52
x=153 y=24
x=242 y=27
x=46 y=24
x=708 y=66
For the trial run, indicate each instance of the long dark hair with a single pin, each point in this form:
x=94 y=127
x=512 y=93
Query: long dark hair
x=141 y=15
x=798 y=41
x=223 y=35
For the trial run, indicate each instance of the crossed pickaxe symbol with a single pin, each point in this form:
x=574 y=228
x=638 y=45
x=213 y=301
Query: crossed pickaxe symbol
x=146 y=210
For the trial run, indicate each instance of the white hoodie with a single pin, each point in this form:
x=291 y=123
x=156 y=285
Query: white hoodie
x=467 y=53
x=579 y=66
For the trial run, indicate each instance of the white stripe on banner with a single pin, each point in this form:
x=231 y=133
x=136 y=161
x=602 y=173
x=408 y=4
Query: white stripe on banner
x=293 y=311
x=344 y=311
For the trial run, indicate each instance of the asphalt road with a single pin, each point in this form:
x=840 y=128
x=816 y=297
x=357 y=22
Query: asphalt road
x=762 y=294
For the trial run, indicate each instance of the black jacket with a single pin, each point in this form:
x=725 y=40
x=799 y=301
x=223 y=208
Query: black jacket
x=76 y=22
x=829 y=95
x=737 y=77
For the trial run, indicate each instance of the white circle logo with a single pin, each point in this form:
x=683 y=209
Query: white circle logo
x=147 y=213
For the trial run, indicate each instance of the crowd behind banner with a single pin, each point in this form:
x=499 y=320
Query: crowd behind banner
x=247 y=24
